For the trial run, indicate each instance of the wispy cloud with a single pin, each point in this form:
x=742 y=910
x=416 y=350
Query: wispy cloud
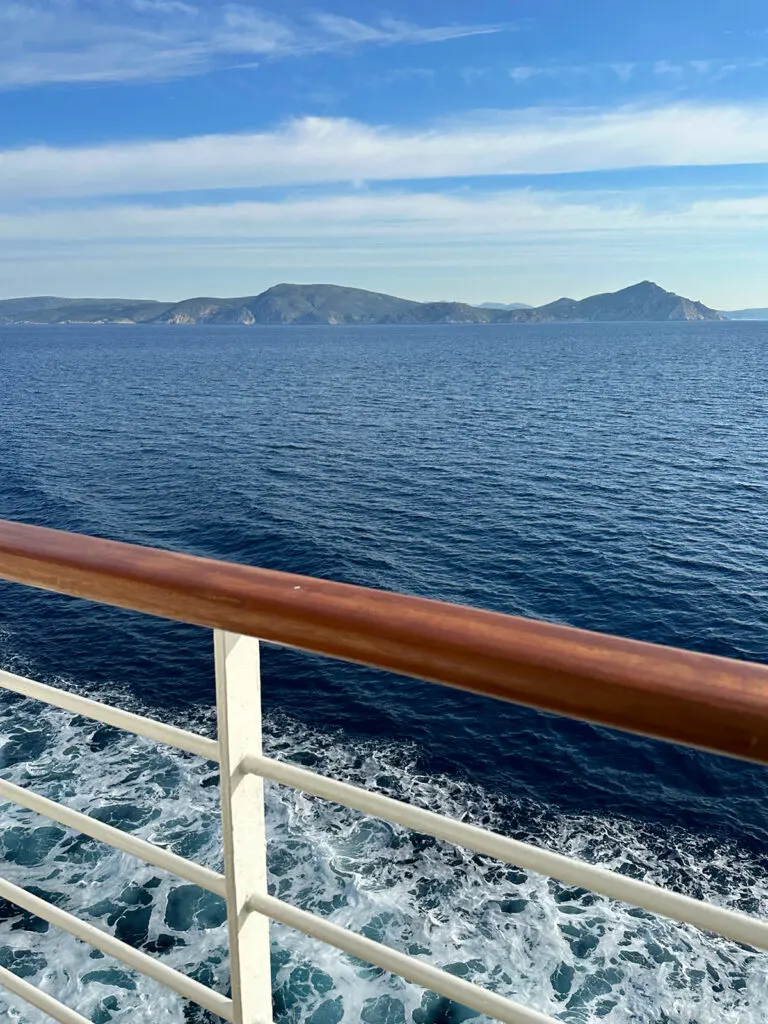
x=693 y=71
x=49 y=41
x=163 y=6
x=712 y=69
x=399 y=219
x=390 y=30
x=523 y=73
x=322 y=150
x=668 y=69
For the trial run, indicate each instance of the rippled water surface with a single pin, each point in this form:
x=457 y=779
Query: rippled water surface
x=608 y=476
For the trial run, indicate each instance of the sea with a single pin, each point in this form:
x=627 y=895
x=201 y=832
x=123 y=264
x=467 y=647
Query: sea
x=608 y=476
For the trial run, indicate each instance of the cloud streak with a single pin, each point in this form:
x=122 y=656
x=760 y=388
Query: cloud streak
x=314 y=151
x=45 y=41
x=692 y=72
x=391 y=30
x=398 y=219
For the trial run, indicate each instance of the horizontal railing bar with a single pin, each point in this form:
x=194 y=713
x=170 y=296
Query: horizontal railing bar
x=147 y=727
x=407 y=967
x=41 y=1000
x=714 y=703
x=134 y=958
x=729 y=923
x=103 y=833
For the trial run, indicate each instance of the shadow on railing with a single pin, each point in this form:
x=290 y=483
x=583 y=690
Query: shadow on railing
x=708 y=702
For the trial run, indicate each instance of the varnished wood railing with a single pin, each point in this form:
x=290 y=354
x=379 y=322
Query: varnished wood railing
x=713 y=703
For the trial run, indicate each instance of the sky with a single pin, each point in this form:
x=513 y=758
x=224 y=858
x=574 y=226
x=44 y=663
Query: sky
x=501 y=150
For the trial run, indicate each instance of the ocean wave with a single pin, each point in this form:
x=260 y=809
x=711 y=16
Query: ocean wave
x=565 y=951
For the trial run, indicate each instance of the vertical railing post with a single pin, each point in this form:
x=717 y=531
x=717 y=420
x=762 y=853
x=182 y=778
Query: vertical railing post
x=238 y=702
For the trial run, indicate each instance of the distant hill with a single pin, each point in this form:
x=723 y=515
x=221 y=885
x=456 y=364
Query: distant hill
x=504 y=305
x=745 y=314
x=49 y=309
x=332 y=304
x=644 y=301
x=294 y=304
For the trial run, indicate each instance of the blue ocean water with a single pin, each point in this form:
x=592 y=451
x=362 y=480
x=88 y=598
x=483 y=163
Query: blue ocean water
x=608 y=476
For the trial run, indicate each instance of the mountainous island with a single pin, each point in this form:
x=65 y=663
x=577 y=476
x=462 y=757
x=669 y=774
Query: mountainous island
x=332 y=304
x=746 y=314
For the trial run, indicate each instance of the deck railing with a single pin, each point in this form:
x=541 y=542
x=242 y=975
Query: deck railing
x=708 y=702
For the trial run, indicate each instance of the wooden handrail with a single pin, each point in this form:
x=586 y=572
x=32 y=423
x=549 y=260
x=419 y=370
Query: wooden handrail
x=714 y=703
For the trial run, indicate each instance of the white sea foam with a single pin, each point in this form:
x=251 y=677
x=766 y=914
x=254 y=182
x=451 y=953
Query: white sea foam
x=566 y=952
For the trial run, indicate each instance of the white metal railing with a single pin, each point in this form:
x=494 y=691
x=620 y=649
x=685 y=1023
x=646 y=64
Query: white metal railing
x=243 y=768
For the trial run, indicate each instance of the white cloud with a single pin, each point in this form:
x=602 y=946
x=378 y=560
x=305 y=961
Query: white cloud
x=322 y=150
x=390 y=30
x=245 y=30
x=164 y=6
x=48 y=41
x=397 y=220
x=524 y=73
x=665 y=67
x=683 y=72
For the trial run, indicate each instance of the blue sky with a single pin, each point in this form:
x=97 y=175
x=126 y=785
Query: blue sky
x=508 y=151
